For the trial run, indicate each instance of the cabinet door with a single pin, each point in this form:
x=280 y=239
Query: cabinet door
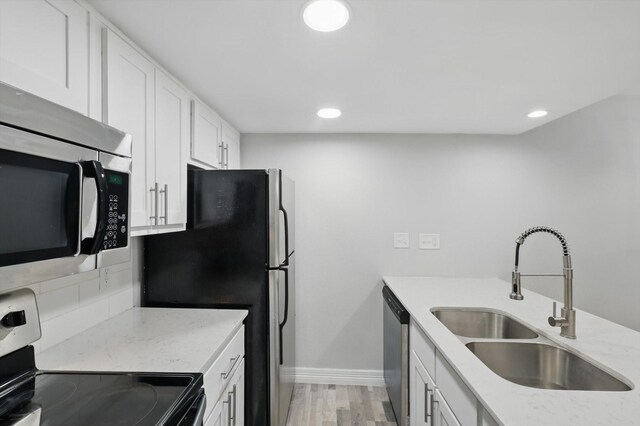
x=44 y=50
x=217 y=416
x=172 y=137
x=206 y=136
x=231 y=146
x=442 y=413
x=128 y=105
x=421 y=390
x=237 y=388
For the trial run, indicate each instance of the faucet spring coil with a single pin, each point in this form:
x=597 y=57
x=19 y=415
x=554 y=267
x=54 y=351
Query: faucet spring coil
x=556 y=233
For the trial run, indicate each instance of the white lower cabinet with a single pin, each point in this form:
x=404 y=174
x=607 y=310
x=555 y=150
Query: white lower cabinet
x=224 y=385
x=229 y=409
x=438 y=396
x=427 y=406
x=421 y=390
x=442 y=414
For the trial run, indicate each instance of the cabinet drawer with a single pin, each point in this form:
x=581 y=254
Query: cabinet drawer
x=458 y=396
x=220 y=373
x=424 y=349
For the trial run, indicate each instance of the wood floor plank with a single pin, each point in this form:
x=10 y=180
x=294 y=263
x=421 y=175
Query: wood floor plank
x=338 y=405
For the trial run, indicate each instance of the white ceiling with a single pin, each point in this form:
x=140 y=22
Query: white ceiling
x=398 y=66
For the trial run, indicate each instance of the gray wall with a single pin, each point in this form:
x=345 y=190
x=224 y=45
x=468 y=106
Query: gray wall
x=580 y=174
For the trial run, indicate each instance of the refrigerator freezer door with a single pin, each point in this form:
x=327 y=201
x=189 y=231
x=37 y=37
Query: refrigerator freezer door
x=281 y=218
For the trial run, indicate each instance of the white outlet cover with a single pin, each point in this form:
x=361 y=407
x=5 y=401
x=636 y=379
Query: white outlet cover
x=429 y=241
x=400 y=240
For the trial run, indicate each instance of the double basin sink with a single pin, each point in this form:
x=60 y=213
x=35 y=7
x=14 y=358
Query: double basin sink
x=517 y=353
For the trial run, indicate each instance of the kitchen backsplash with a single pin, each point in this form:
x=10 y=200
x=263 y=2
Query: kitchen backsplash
x=72 y=304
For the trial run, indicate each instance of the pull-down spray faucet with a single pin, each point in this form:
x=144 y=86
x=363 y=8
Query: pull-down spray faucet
x=567 y=319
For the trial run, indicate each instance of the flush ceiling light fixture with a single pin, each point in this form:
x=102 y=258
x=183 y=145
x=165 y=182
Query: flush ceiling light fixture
x=326 y=15
x=329 y=113
x=538 y=113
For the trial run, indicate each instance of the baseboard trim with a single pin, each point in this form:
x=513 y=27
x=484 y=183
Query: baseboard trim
x=329 y=376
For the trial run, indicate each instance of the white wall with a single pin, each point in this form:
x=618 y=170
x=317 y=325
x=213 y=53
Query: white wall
x=580 y=174
x=70 y=305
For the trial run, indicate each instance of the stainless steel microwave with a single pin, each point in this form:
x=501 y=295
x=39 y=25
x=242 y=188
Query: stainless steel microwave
x=64 y=191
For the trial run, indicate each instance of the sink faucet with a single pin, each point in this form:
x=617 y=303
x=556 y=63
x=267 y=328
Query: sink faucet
x=567 y=319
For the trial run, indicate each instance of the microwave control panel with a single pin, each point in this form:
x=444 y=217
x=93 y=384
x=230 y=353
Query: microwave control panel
x=118 y=207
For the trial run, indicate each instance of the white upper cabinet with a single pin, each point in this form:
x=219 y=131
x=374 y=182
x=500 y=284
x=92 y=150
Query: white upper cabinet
x=128 y=105
x=206 y=136
x=172 y=138
x=140 y=99
x=230 y=147
x=44 y=50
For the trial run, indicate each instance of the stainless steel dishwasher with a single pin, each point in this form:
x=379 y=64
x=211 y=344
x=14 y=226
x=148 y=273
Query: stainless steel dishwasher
x=396 y=355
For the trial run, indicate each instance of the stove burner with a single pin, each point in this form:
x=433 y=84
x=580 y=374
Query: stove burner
x=55 y=393
x=137 y=401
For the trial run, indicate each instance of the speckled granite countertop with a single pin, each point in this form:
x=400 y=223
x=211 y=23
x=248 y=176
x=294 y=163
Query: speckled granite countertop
x=148 y=340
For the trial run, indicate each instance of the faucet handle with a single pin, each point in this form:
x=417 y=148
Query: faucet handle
x=554 y=308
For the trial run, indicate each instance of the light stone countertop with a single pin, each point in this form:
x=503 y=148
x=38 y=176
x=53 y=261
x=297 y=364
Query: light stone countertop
x=148 y=340
x=610 y=345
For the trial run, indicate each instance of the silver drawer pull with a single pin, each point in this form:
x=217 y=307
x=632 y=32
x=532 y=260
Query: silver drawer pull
x=427 y=399
x=165 y=191
x=155 y=203
x=228 y=402
x=233 y=392
x=435 y=410
x=233 y=364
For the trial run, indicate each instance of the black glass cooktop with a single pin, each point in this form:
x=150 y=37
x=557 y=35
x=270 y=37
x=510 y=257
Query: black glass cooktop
x=114 y=399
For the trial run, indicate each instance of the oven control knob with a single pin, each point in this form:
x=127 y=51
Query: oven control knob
x=14 y=319
x=123 y=229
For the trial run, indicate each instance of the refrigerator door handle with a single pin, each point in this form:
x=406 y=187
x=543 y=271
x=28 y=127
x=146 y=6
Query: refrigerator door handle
x=286 y=223
x=286 y=308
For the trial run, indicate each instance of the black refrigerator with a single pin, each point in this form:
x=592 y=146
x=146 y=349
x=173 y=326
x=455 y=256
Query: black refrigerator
x=237 y=253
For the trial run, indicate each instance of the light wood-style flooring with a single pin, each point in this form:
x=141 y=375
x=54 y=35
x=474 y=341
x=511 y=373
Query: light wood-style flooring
x=335 y=405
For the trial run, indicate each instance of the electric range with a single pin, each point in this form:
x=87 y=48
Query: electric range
x=29 y=396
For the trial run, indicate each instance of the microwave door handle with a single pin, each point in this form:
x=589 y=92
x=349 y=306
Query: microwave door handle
x=93 y=169
x=80 y=174
x=286 y=308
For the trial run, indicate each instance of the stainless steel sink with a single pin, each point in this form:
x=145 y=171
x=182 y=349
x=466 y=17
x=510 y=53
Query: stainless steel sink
x=485 y=324
x=544 y=366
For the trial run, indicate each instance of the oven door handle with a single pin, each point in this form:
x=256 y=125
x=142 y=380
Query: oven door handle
x=202 y=405
x=93 y=169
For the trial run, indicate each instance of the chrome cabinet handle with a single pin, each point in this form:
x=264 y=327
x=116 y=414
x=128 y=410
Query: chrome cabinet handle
x=233 y=364
x=155 y=216
x=225 y=151
x=228 y=402
x=233 y=392
x=427 y=399
x=165 y=191
x=221 y=157
x=435 y=408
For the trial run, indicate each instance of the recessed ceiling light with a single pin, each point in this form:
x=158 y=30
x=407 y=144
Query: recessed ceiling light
x=326 y=15
x=537 y=114
x=329 y=113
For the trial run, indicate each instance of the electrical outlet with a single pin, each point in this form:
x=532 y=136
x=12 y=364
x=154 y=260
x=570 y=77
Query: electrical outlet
x=429 y=241
x=401 y=240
